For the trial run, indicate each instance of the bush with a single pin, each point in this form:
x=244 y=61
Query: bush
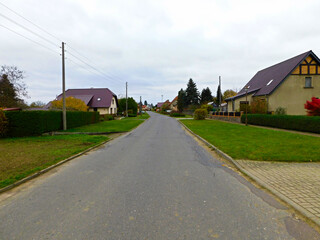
x=243 y=108
x=200 y=114
x=207 y=107
x=298 y=123
x=108 y=117
x=3 y=123
x=177 y=114
x=29 y=123
x=258 y=106
x=131 y=114
x=280 y=111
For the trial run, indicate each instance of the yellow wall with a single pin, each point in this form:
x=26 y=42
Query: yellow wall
x=113 y=106
x=292 y=95
x=102 y=111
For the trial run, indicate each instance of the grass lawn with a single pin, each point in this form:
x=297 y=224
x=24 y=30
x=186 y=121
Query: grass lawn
x=21 y=157
x=186 y=116
x=123 y=125
x=247 y=142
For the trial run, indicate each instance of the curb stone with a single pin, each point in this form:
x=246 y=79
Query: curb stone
x=2 y=190
x=298 y=208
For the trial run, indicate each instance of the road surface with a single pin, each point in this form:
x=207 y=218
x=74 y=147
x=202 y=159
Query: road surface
x=154 y=183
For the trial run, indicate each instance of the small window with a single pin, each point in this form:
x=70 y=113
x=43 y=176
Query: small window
x=308 y=82
x=269 y=82
x=99 y=99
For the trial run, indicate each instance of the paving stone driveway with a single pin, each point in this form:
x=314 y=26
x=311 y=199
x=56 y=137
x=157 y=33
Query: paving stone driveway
x=300 y=182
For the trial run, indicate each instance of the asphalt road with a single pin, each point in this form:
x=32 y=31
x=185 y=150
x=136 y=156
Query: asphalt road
x=154 y=183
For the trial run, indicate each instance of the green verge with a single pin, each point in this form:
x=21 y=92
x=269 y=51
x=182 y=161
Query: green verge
x=123 y=125
x=21 y=157
x=248 y=142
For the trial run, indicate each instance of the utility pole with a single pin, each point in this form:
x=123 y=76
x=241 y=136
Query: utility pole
x=220 y=93
x=126 y=99
x=64 y=113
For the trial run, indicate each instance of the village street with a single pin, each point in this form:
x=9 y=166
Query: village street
x=154 y=183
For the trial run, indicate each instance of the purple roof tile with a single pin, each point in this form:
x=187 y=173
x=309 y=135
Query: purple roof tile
x=267 y=80
x=93 y=97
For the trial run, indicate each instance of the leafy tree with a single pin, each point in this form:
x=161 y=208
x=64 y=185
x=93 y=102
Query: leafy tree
x=72 y=104
x=132 y=105
x=181 y=100
x=8 y=95
x=15 y=77
x=145 y=102
x=37 y=104
x=206 y=96
x=192 y=94
x=229 y=93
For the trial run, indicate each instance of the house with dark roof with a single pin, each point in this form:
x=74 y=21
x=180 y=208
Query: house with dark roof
x=97 y=99
x=288 y=84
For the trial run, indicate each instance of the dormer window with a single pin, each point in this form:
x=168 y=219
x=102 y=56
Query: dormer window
x=308 y=82
x=269 y=82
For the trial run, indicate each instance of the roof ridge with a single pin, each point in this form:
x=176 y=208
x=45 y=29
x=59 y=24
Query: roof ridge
x=290 y=59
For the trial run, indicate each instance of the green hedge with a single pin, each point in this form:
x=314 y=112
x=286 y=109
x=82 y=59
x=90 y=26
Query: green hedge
x=29 y=123
x=290 y=122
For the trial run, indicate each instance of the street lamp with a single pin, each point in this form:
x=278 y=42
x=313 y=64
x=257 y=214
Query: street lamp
x=246 y=90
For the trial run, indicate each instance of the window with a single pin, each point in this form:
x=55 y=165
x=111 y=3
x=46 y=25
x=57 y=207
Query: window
x=112 y=101
x=99 y=99
x=308 y=82
x=269 y=82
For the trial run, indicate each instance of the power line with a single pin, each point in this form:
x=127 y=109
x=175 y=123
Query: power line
x=89 y=70
x=97 y=70
x=109 y=75
x=29 y=39
x=20 y=25
x=30 y=22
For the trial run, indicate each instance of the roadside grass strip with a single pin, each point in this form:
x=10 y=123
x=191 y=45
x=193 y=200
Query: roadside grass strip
x=248 y=142
x=21 y=157
x=123 y=125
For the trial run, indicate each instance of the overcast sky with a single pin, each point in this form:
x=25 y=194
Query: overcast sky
x=154 y=45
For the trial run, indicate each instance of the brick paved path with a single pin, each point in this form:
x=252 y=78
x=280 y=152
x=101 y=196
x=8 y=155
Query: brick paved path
x=300 y=182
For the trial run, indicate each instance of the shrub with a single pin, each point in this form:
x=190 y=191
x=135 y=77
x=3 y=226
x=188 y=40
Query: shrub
x=298 y=123
x=280 y=111
x=3 y=123
x=207 y=106
x=313 y=107
x=258 y=106
x=177 y=114
x=29 y=123
x=200 y=114
x=108 y=117
x=131 y=114
x=243 y=108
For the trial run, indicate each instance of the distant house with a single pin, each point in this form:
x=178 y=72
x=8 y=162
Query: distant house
x=97 y=99
x=174 y=104
x=288 y=84
x=159 y=104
